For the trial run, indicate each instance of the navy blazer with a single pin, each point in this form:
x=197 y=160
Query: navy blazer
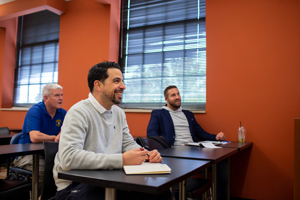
x=161 y=124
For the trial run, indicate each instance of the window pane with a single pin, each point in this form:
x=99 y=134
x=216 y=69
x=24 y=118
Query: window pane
x=34 y=93
x=47 y=73
x=24 y=74
x=133 y=90
x=21 y=94
x=49 y=51
x=25 y=56
x=35 y=74
x=37 y=53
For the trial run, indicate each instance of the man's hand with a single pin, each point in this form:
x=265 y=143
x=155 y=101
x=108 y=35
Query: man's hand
x=220 y=136
x=154 y=156
x=56 y=139
x=134 y=157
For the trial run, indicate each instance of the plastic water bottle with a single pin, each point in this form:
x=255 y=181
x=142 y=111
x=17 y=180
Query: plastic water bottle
x=241 y=133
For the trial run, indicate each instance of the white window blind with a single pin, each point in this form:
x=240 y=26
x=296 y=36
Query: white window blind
x=163 y=43
x=37 y=56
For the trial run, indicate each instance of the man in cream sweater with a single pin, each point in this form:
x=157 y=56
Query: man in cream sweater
x=95 y=135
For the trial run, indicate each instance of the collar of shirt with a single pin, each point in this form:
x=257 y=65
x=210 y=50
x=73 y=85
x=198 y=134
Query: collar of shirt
x=98 y=106
x=170 y=110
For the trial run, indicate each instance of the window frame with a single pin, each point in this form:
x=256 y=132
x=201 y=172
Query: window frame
x=195 y=106
x=19 y=48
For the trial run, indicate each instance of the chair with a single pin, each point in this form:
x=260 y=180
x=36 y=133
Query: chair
x=15 y=189
x=195 y=187
x=48 y=185
x=15 y=140
x=4 y=131
x=3 y=141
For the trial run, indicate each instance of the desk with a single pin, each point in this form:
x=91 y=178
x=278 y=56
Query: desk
x=26 y=149
x=199 y=153
x=15 y=130
x=235 y=144
x=5 y=139
x=113 y=180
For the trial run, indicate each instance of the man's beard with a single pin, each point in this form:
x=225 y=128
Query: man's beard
x=116 y=100
x=174 y=105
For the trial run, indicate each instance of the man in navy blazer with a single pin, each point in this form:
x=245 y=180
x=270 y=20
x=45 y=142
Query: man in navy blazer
x=179 y=126
x=186 y=128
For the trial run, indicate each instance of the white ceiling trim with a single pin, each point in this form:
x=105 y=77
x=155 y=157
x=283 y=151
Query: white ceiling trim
x=5 y=1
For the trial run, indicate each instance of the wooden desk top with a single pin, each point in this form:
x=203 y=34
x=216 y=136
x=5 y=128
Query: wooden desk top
x=236 y=144
x=181 y=169
x=7 y=136
x=11 y=150
x=198 y=153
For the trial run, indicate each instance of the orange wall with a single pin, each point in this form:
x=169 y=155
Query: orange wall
x=252 y=76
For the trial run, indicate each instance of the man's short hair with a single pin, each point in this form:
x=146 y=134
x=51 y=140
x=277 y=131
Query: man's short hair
x=99 y=72
x=51 y=86
x=167 y=89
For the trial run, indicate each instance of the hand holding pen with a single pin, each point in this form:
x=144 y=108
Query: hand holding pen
x=153 y=156
x=134 y=157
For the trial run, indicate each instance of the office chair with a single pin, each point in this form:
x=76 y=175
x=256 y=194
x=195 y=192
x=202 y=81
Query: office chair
x=48 y=185
x=195 y=187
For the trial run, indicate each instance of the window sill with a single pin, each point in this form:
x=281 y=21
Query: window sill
x=15 y=109
x=149 y=111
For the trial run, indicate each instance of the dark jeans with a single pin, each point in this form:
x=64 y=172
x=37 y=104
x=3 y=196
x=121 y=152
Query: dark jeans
x=80 y=191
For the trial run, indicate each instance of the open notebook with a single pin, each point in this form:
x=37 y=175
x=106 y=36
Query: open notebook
x=147 y=168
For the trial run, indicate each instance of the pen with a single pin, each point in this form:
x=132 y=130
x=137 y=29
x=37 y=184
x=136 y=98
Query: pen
x=142 y=149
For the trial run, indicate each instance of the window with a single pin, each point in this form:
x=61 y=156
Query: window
x=163 y=43
x=37 y=56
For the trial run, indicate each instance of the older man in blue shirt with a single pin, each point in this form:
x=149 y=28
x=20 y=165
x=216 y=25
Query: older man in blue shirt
x=42 y=122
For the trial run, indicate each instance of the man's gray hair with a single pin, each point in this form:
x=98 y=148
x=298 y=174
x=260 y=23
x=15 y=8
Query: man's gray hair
x=52 y=86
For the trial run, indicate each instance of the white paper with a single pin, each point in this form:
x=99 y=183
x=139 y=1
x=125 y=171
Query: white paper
x=193 y=144
x=209 y=145
x=147 y=168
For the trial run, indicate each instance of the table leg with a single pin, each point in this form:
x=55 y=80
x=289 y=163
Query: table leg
x=214 y=181
x=35 y=177
x=182 y=195
x=205 y=175
x=228 y=184
x=110 y=194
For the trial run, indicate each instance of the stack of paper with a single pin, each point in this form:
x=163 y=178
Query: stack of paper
x=147 y=168
x=206 y=144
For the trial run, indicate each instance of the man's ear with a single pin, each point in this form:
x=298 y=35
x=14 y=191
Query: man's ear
x=45 y=98
x=98 y=85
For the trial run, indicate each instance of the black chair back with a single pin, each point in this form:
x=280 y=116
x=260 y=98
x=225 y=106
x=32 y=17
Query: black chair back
x=49 y=187
x=4 y=131
x=160 y=140
x=15 y=139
